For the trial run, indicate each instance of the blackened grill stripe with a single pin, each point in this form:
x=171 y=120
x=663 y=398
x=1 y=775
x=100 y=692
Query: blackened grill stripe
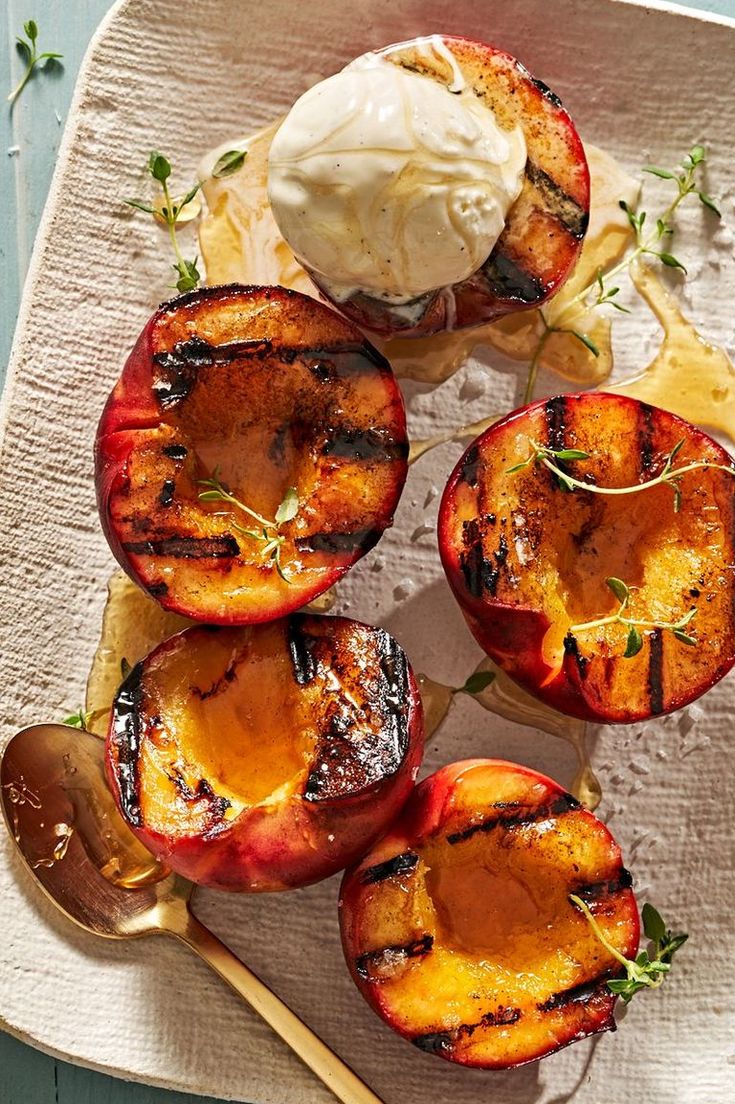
x=546 y=91
x=352 y=443
x=578 y=994
x=513 y=815
x=508 y=281
x=187 y=548
x=571 y=647
x=555 y=411
x=645 y=438
x=393 y=695
x=558 y=202
x=126 y=739
x=370 y=963
x=339 y=543
x=166 y=496
x=597 y=891
x=656 y=672
x=405 y=863
x=437 y=1042
x=303 y=662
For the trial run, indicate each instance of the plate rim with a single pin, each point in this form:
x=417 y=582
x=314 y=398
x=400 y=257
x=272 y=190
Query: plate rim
x=15 y=365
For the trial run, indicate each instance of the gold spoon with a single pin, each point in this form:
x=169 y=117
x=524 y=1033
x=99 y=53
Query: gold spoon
x=85 y=858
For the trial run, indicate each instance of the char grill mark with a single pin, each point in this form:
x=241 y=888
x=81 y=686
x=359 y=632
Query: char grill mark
x=507 y=280
x=439 y=1042
x=405 y=863
x=353 y=443
x=578 y=994
x=175 y=452
x=126 y=738
x=337 y=544
x=157 y=590
x=511 y=814
x=226 y=678
x=645 y=439
x=180 y=367
x=557 y=202
x=187 y=548
x=166 y=496
x=217 y=805
x=471 y=466
x=598 y=891
x=571 y=647
x=300 y=644
x=392 y=697
x=479 y=573
x=544 y=90
x=379 y=964
x=363 y=745
x=555 y=411
x=329 y=362
x=656 y=672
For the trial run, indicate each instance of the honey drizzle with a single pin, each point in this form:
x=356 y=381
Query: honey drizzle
x=688 y=376
x=464 y=433
x=506 y=699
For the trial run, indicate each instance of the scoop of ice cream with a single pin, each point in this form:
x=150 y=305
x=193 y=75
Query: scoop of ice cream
x=383 y=180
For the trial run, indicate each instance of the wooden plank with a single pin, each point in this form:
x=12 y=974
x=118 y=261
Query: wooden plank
x=33 y=129
x=26 y=1076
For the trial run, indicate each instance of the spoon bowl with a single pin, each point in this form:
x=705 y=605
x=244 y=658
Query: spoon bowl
x=77 y=847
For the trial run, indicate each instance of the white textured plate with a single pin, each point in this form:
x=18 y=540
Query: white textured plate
x=644 y=82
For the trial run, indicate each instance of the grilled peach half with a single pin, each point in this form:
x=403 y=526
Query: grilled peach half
x=529 y=561
x=265 y=757
x=545 y=227
x=458 y=929
x=276 y=401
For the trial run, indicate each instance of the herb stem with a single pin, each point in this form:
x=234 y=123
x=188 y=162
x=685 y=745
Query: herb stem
x=533 y=367
x=623 y=265
x=664 y=477
x=598 y=930
x=171 y=223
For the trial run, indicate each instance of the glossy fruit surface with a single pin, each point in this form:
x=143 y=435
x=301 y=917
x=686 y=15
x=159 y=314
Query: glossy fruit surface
x=529 y=561
x=272 y=395
x=269 y=756
x=458 y=929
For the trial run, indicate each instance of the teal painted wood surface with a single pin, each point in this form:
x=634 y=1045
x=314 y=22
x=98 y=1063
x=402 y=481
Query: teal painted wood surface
x=29 y=140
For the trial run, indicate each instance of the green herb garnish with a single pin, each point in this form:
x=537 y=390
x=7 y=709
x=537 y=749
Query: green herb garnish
x=160 y=169
x=669 y=475
x=599 y=293
x=634 y=642
x=229 y=163
x=80 y=719
x=650 y=967
x=268 y=532
x=32 y=57
x=476 y=683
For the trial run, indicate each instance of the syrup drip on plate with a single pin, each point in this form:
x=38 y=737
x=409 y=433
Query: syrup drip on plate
x=464 y=433
x=506 y=699
x=688 y=375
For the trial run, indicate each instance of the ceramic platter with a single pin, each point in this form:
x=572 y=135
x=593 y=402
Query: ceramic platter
x=646 y=82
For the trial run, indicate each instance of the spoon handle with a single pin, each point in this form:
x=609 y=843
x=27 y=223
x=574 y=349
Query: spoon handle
x=322 y=1061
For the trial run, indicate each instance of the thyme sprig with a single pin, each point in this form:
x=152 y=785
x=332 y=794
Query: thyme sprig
x=634 y=643
x=268 y=531
x=668 y=476
x=602 y=291
x=32 y=57
x=170 y=210
x=650 y=967
x=476 y=683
